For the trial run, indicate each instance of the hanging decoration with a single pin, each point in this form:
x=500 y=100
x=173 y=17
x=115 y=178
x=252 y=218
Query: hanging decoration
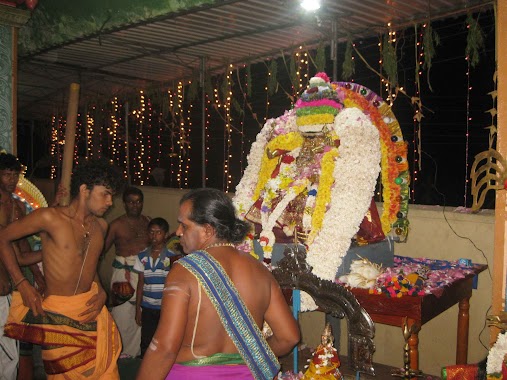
x=348 y=67
x=272 y=77
x=389 y=58
x=475 y=40
x=467 y=131
x=431 y=39
x=228 y=130
x=489 y=170
x=417 y=106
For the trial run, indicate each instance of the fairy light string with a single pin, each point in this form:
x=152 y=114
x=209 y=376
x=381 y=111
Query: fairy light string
x=227 y=131
x=181 y=145
x=467 y=131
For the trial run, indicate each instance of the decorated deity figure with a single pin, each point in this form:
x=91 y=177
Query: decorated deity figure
x=325 y=361
x=312 y=173
x=300 y=164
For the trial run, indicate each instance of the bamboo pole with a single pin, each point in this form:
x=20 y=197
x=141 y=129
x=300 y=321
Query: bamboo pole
x=70 y=139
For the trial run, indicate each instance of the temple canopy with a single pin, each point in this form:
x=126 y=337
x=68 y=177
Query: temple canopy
x=112 y=47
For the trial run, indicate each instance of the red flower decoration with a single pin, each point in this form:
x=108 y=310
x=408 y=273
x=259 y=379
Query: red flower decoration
x=323 y=75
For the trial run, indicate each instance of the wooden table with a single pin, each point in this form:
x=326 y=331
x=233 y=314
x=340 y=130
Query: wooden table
x=420 y=309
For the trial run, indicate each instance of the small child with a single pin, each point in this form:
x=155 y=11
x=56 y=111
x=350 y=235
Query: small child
x=152 y=265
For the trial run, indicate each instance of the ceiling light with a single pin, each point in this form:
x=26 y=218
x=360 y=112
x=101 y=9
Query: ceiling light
x=310 y=5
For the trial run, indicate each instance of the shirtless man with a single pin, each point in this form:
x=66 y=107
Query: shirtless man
x=73 y=303
x=12 y=209
x=129 y=234
x=191 y=341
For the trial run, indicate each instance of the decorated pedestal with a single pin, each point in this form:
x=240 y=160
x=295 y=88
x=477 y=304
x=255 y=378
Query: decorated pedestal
x=381 y=253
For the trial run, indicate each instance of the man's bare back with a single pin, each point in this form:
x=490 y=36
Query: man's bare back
x=254 y=284
x=186 y=306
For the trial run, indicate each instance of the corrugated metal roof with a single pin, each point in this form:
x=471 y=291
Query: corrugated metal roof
x=156 y=52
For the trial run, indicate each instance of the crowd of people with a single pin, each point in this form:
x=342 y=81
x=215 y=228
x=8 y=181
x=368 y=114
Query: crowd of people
x=196 y=315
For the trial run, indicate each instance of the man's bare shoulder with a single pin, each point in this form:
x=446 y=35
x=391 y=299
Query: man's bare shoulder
x=119 y=220
x=102 y=224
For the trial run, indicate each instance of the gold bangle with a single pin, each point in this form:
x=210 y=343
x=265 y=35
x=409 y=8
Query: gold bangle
x=19 y=282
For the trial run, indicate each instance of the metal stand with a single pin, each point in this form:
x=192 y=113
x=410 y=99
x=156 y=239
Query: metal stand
x=406 y=372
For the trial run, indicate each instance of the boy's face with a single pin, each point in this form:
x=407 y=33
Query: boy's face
x=157 y=235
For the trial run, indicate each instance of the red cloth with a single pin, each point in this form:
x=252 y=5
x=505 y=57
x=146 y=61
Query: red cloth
x=460 y=372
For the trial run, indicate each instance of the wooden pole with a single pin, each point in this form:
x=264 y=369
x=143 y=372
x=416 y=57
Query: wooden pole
x=70 y=139
x=499 y=258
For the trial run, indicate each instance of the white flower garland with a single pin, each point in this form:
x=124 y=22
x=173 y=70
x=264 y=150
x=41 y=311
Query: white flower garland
x=496 y=355
x=356 y=171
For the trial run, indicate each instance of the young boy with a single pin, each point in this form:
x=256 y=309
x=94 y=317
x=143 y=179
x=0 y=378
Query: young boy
x=152 y=265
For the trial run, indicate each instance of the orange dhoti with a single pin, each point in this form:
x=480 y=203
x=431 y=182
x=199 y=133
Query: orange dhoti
x=71 y=349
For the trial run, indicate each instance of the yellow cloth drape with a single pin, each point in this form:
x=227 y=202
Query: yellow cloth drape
x=71 y=349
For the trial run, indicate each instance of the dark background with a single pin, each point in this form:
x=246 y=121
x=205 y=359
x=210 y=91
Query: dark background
x=446 y=156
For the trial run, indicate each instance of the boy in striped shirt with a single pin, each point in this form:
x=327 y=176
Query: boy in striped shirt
x=152 y=265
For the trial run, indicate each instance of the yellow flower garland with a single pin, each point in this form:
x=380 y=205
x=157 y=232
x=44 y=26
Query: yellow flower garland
x=289 y=142
x=323 y=192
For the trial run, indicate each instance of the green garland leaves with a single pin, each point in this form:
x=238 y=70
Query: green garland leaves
x=348 y=67
x=431 y=39
x=390 y=61
x=272 y=77
x=475 y=40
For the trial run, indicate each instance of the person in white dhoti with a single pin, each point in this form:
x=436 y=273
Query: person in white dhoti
x=129 y=234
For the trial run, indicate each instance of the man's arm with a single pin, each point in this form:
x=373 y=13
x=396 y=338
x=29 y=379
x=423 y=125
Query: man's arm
x=110 y=237
x=28 y=225
x=165 y=345
x=139 y=297
x=95 y=303
x=5 y=284
x=279 y=317
x=25 y=255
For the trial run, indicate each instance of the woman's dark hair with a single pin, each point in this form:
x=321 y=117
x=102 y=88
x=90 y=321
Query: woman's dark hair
x=96 y=173
x=213 y=207
x=131 y=190
x=160 y=222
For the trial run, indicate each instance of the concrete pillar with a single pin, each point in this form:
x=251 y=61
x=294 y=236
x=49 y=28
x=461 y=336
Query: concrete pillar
x=11 y=19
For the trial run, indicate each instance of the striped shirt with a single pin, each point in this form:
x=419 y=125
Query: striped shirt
x=154 y=275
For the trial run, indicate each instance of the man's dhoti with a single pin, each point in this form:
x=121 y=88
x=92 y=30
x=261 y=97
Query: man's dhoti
x=71 y=349
x=9 y=353
x=125 y=314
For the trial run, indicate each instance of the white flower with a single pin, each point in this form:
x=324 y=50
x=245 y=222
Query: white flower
x=496 y=355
